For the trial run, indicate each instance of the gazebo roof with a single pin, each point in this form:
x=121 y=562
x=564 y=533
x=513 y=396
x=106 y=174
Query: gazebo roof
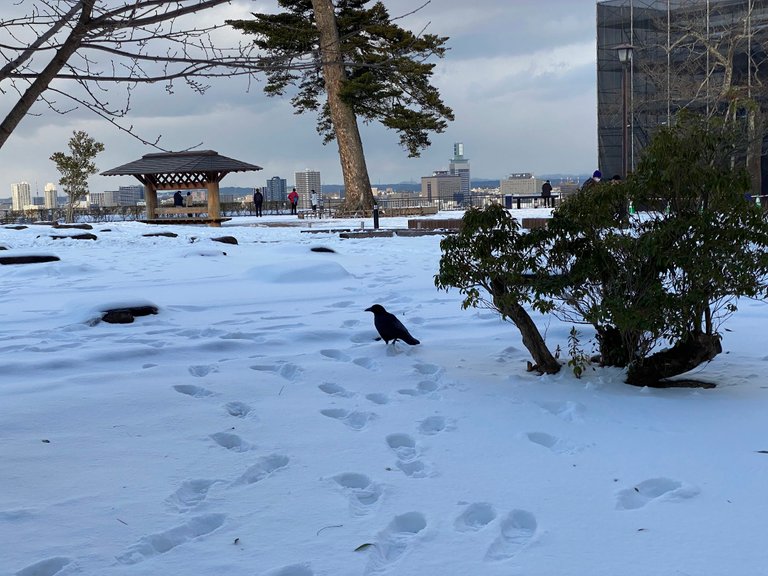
x=171 y=168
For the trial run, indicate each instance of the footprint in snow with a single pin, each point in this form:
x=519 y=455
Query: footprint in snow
x=190 y=494
x=264 y=467
x=287 y=370
x=362 y=491
x=238 y=409
x=654 y=490
x=367 y=363
x=475 y=517
x=200 y=371
x=428 y=369
x=517 y=531
x=342 y=304
x=231 y=442
x=291 y=570
x=377 y=398
x=553 y=443
x=335 y=355
x=403 y=445
x=47 y=567
x=355 y=420
x=162 y=542
x=191 y=390
x=395 y=540
x=432 y=425
x=568 y=411
x=333 y=389
x=415 y=468
x=423 y=388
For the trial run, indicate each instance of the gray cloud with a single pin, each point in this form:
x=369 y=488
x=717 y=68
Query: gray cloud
x=520 y=77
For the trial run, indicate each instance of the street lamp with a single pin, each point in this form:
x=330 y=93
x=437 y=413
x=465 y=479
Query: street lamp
x=624 y=52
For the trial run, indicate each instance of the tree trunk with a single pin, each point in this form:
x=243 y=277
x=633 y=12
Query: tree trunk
x=43 y=80
x=356 y=181
x=532 y=340
x=755 y=147
x=682 y=357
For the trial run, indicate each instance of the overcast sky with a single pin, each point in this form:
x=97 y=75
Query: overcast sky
x=519 y=75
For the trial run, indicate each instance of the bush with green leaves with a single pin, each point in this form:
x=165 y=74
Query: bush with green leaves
x=656 y=287
x=492 y=263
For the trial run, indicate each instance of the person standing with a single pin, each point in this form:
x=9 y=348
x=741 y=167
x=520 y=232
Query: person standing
x=188 y=202
x=589 y=182
x=293 y=199
x=546 y=194
x=313 y=201
x=258 y=201
x=178 y=199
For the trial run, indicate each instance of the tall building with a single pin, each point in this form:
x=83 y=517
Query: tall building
x=699 y=55
x=442 y=187
x=124 y=196
x=21 y=195
x=459 y=166
x=104 y=199
x=49 y=193
x=131 y=195
x=521 y=183
x=277 y=190
x=307 y=181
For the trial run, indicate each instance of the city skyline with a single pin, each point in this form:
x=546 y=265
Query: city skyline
x=520 y=77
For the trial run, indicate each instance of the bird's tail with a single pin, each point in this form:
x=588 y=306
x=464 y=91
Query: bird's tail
x=410 y=340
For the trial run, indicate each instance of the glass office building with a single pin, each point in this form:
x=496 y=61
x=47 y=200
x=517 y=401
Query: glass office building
x=709 y=56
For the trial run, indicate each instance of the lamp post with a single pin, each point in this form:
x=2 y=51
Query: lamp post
x=624 y=52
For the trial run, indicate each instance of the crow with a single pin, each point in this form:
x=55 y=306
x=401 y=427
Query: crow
x=389 y=327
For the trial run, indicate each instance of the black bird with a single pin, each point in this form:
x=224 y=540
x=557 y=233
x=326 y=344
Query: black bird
x=389 y=327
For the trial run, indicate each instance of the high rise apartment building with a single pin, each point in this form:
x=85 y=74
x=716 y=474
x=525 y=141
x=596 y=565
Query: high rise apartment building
x=307 y=181
x=276 y=190
x=49 y=195
x=459 y=166
x=21 y=195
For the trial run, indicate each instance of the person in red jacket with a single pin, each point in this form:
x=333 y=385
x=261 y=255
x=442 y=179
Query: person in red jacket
x=293 y=198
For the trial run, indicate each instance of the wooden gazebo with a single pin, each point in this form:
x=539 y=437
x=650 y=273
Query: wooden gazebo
x=202 y=169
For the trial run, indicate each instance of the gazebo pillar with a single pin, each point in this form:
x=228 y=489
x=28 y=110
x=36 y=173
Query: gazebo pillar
x=214 y=209
x=150 y=199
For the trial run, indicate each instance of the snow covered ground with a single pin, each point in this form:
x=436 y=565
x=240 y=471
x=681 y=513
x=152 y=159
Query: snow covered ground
x=254 y=427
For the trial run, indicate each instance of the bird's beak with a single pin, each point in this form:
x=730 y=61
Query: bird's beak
x=367 y=310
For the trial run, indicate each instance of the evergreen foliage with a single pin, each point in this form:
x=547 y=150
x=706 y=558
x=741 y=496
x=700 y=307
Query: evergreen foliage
x=77 y=167
x=656 y=287
x=387 y=69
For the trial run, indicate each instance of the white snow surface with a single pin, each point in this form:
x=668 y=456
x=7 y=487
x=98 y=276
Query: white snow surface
x=254 y=426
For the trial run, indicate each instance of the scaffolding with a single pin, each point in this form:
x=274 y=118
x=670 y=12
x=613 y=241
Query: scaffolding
x=702 y=55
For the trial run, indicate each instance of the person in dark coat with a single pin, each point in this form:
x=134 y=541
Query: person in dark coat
x=546 y=194
x=178 y=199
x=589 y=182
x=258 y=201
x=389 y=327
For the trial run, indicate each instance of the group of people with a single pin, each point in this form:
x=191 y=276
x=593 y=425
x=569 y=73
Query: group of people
x=597 y=176
x=180 y=201
x=293 y=201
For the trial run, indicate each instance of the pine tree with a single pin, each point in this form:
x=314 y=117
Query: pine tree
x=367 y=67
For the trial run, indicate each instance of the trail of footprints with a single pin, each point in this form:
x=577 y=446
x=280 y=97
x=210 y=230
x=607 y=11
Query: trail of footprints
x=515 y=530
